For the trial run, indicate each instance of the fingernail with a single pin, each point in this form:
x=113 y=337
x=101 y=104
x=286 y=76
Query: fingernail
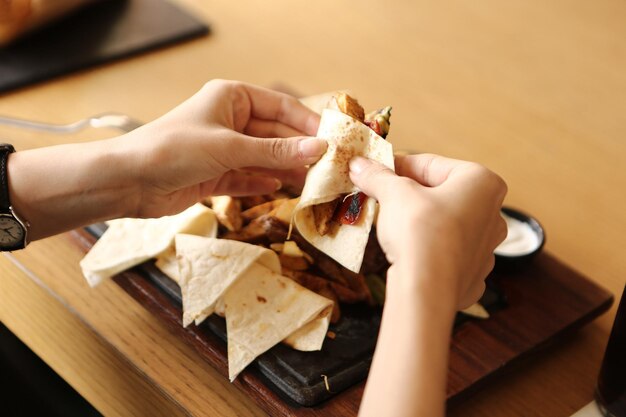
x=358 y=164
x=311 y=147
x=279 y=184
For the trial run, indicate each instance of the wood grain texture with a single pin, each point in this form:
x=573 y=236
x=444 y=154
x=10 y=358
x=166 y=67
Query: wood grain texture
x=151 y=351
x=534 y=90
x=75 y=352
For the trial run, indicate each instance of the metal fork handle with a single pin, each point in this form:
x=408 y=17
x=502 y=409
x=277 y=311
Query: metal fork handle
x=119 y=121
x=49 y=127
x=112 y=120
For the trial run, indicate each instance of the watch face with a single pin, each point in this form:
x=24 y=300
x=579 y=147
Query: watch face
x=11 y=232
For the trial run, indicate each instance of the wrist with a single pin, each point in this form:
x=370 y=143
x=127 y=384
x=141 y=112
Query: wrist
x=423 y=285
x=63 y=187
x=125 y=179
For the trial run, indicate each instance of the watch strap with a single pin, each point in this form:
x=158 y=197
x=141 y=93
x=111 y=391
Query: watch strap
x=5 y=203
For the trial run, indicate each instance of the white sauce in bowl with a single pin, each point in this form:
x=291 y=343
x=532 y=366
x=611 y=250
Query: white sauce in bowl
x=521 y=239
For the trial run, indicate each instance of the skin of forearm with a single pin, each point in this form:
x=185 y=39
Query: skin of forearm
x=409 y=369
x=63 y=187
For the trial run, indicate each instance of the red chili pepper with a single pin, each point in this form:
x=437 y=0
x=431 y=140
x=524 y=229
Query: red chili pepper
x=373 y=124
x=349 y=210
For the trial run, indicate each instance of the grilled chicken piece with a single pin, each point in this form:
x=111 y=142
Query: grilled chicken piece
x=291 y=257
x=263 y=229
x=284 y=211
x=323 y=216
x=356 y=283
x=296 y=263
x=350 y=106
x=348 y=295
x=253 y=200
x=330 y=269
x=267 y=229
x=228 y=212
x=254 y=232
x=316 y=283
x=375 y=262
x=261 y=209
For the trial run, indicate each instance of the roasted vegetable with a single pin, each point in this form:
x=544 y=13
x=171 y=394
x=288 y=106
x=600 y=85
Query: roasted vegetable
x=261 y=209
x=323 y=215
x=378 y=121
x=228 y=212
x=349 y=211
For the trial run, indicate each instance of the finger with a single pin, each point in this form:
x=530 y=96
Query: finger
x=501 y=231
x=427 y=169
x=270 y=129
x=277 y=153
x=472 y=295
x=271 y=105
x=294 y=177
x=373 y=178
x=487 y=266
x=238 y=183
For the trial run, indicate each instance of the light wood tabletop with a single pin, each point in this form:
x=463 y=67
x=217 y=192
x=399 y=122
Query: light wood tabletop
x=535 y=90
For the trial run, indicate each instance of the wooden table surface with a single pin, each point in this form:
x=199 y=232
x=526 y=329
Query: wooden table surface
x=535 y=90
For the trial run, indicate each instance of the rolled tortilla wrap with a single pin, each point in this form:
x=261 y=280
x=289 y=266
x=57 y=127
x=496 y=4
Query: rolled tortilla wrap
x=329 y=179
x=261 y=307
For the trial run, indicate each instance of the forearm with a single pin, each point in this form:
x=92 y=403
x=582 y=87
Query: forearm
x=409 y=370
x=63 y=187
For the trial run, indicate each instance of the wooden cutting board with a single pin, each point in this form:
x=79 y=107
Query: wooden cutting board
x=545 y=302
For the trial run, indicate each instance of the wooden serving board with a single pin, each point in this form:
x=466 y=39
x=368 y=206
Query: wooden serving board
x=545 y=302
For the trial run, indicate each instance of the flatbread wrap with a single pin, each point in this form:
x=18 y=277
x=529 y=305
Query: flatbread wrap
x=332 y=214
x=130 y=242
x=243 y=283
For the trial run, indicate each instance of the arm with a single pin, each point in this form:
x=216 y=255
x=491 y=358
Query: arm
x=226 y=139
x=408 y=373
x=440 y=253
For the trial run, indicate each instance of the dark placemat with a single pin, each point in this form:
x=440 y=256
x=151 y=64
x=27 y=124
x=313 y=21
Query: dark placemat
x=93 y=35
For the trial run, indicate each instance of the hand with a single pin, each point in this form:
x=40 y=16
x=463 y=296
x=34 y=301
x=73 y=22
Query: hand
x=226 y=139
x=441 y=216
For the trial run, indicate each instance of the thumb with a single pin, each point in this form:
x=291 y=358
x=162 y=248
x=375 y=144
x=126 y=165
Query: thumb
x=371 y=177
x=278 y=153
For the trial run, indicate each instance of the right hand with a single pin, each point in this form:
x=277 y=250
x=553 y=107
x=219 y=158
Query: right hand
x=439 y=216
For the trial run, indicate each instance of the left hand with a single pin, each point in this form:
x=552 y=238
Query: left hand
x=229 y=138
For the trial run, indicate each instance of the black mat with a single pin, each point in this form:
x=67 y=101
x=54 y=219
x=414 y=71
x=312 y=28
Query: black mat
x=99 y=33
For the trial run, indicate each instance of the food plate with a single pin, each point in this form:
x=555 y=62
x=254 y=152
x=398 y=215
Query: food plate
x=308 y=378
x=480 y=351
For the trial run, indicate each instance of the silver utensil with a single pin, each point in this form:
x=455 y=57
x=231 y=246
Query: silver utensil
x=118 y=121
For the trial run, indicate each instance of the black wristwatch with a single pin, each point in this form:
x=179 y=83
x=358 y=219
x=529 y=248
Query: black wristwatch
x=13 y=230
